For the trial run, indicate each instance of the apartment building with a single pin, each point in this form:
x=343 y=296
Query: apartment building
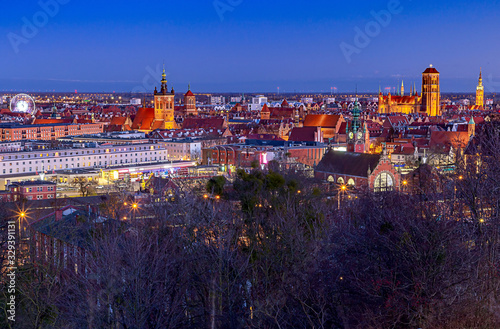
x=17 y=132
x=102 y=156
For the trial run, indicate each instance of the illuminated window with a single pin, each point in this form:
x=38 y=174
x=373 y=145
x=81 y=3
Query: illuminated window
x=384 y=182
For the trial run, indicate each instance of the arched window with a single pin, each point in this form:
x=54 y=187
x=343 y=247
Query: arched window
x=340 y=180
x=351 y=182
x=330 y=179
x=384 y=182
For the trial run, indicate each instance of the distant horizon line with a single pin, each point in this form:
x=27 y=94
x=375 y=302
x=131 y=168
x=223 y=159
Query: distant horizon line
x=350 y=93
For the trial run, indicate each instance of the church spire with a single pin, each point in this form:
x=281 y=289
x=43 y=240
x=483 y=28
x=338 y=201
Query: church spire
x=481 y=76
x=402 y=88
x=163 y=81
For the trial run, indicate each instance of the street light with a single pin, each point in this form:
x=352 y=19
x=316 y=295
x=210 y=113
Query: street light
x=342 y=189
x=134 y=206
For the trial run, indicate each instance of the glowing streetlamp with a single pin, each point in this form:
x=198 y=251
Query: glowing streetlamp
x=134 y=206
x=343 y=188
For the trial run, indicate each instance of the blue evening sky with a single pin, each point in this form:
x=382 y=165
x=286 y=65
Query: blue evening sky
x=246 y=45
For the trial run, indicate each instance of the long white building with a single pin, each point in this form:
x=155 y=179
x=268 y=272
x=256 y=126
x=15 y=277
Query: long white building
x=104 y=155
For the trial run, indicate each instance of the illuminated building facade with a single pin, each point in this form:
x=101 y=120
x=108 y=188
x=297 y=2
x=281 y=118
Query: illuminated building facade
x=431 y=93
x=190 y=103
x=37 y=161
x=162 y=115
x=480 y=91
x=428 y=102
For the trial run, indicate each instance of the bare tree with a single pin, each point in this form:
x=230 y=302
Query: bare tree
x=85 y=186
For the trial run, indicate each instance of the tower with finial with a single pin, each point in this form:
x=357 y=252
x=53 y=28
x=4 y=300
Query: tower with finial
x=480 y=90
x=402 y=88
x=190 y=102
x=164 y=105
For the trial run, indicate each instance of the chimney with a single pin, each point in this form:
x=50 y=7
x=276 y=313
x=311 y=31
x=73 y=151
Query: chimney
x=59 y=214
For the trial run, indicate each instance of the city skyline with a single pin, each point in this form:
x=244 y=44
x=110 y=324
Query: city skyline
x=238 y=46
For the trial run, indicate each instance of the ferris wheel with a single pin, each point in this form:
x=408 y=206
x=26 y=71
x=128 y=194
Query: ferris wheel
x=23 y=103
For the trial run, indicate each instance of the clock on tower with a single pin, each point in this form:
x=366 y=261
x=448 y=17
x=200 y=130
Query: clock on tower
x=353 y=129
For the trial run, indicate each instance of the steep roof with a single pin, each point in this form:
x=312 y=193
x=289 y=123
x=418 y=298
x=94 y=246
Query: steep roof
x=205 y=123
x=144 y=118
x=119 y=121
x=346 y=163
x=304 y=134
x=457 y=139
x=321 y=120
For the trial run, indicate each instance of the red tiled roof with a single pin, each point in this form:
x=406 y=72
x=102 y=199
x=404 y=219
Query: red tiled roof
x=431 y=70
x=321 y=120
x=144 y=118
x=205 y=123
x=120 y=121
x=446 y=139
x=266 y=137
x=278 y=112
x=304 y=134
x=407 y=149
x=157 y=125
x=51 y=121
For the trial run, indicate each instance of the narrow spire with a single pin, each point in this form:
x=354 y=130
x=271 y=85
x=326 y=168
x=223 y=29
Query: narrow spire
x=402 y=88
x=189 y=86
x=163 y=75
